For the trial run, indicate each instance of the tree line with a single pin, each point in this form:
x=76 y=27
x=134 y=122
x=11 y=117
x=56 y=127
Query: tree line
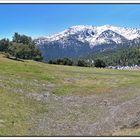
x=21 y=47
x=120 y=57
x=24 y=47
x=124 y=57
x=80 y=62
x=117 y=57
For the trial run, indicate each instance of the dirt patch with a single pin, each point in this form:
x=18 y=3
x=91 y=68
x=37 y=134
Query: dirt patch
x=45 y=97
x=95 y=115
x=125 y=115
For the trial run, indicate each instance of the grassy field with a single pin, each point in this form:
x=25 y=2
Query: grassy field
x=22 y=85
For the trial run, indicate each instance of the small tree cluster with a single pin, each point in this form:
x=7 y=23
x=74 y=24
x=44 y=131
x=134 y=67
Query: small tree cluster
x=64 y=61
x=99 y=63
x=4 y=45
x=82 y=63
x=22 y=47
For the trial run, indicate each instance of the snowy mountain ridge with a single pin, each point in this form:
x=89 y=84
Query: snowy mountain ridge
x=91 y=34
x=84 y=39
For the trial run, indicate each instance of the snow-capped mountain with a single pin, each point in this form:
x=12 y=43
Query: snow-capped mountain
x=79 y=40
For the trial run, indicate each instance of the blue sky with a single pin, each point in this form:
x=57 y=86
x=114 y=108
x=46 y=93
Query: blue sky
x=46 y=19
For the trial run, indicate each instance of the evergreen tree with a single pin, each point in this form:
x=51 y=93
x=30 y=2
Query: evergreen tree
x=99 y=63
x=82 y=63
x=4 y=45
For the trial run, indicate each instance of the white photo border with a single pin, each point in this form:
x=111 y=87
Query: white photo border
x=70 y=2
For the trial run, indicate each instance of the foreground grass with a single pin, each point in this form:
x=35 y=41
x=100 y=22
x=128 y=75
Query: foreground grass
x=18 y=79
x=69 y=80
x=16 y=113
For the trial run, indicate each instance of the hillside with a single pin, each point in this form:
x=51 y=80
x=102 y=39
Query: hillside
x=51 y=100
x=118 y=57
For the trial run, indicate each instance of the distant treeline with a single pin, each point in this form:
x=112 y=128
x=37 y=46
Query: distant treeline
x=21 y=47
x=124 y=57
x=80 y=62
x=118 y=57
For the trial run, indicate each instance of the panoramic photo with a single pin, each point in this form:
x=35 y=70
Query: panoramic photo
x=70 y=70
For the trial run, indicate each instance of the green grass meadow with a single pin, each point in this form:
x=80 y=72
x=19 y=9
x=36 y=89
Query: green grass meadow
x=18 y=79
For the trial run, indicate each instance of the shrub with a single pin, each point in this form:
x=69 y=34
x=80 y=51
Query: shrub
x=82 y=63
x=99 y=63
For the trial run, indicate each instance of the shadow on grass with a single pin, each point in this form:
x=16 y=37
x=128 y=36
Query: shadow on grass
x=16 y=59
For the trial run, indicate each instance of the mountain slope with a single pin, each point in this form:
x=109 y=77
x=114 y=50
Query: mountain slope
x=80 y=40
x=117 y=57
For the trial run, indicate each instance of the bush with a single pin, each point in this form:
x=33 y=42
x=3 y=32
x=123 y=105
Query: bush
x=99 y=63
x=67 y=61
x=82 y=63
x=50 y=62
x=4 y=45
x=38 y=58
x=64 y=61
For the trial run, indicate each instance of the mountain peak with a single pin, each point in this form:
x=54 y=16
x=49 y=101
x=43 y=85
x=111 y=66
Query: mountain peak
x=91 y=34
x=81 y=39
